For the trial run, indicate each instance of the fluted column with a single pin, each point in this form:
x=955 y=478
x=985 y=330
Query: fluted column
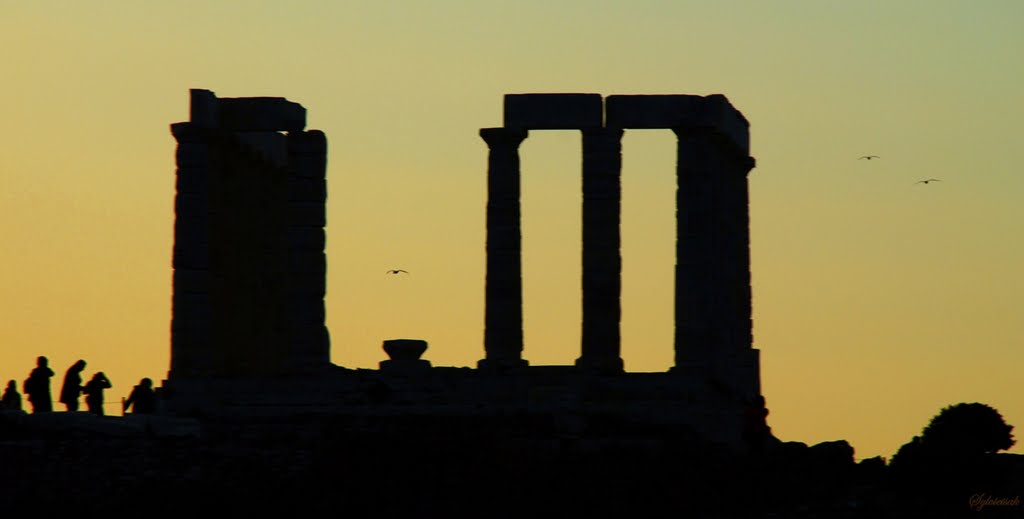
x=191 y=315
x=503 y=319
x=713 y=297
x=602 y=259
x=698 y=274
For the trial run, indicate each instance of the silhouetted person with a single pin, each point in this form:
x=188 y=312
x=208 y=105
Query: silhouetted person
x=72 y=386
x=37 y=387
x=11 y=400
x=142 y=400
x=93 y=391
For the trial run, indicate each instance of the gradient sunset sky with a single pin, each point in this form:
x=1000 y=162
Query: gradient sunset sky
x=877 y=300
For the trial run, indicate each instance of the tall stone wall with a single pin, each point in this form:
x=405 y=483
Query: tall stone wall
x=249 y=261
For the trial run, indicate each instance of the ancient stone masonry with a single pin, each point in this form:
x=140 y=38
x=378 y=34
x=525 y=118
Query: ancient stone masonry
x=249 y=261
x=712 y=309
x=248 y=336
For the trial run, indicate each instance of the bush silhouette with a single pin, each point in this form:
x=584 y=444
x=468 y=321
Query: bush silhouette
x=956 y=450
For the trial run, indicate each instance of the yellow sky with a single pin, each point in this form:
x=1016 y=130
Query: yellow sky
x=877 y=301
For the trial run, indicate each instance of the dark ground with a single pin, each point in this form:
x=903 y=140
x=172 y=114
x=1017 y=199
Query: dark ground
x=462 y=468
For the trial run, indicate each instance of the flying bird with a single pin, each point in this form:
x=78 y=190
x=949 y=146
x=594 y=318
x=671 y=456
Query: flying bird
x=927 y=181
x=869 y=157
x=397 y=271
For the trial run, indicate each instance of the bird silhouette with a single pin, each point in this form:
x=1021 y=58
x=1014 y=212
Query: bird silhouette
x=927 y=181
x=397 y=271
x=869 y=157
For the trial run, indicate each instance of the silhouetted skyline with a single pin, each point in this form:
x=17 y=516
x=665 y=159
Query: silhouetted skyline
x=875 y=297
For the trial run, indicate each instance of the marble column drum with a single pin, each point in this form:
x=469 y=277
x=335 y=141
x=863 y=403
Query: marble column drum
x=503 y=320
x=602 y=259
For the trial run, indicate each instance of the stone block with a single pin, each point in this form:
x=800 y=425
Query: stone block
x=192 y=155
x=204 y=110
x=309 y=336
x=313 y=142
x=307 y=262
x=307 y=166
x=679 y=111
x=187 y=205
x=311 y=239
x=192 y=181
x=652 y=111
x=304 y=310
x=260 y=114
x=306 y=189
x=307 y=214
x=270 y=146
x=553 y=111
x=191 y=258
x=189 y=281
x=188 y=132
x=191 y=307
x=306 y=285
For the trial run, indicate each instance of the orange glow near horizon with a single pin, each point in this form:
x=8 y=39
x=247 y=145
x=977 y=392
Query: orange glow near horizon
x=877 y=301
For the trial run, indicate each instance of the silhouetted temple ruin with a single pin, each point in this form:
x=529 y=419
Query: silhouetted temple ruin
x=249 y=262
x=712 y=273
x=248 y=333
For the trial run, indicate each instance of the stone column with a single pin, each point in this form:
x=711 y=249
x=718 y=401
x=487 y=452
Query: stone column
x=602 y=259
x=713 y=307
x=309 y=340
x=503 y=319
x=191 y=309
x=698 y=274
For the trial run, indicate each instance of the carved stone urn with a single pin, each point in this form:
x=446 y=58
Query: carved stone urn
x=405 y=354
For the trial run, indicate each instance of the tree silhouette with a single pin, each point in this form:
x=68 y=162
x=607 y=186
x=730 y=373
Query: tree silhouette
x=955 y=452
x=968 y=430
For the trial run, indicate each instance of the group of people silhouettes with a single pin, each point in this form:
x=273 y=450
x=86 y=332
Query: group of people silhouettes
x=142 y=399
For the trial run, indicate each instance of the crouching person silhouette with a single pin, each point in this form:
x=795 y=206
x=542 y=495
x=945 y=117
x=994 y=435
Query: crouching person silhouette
x=12 y=399
x=142 y=399
x=93 y=391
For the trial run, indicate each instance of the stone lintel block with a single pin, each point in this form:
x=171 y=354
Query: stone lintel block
x=261 y=114
x=553 y=111
x=679 y=111
x=204 y=110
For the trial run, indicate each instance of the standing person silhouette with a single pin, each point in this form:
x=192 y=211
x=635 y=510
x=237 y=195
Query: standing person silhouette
x=37 y=387
x=72 y=385
x=143 y=398
x=93 y=391
x=12 y=399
